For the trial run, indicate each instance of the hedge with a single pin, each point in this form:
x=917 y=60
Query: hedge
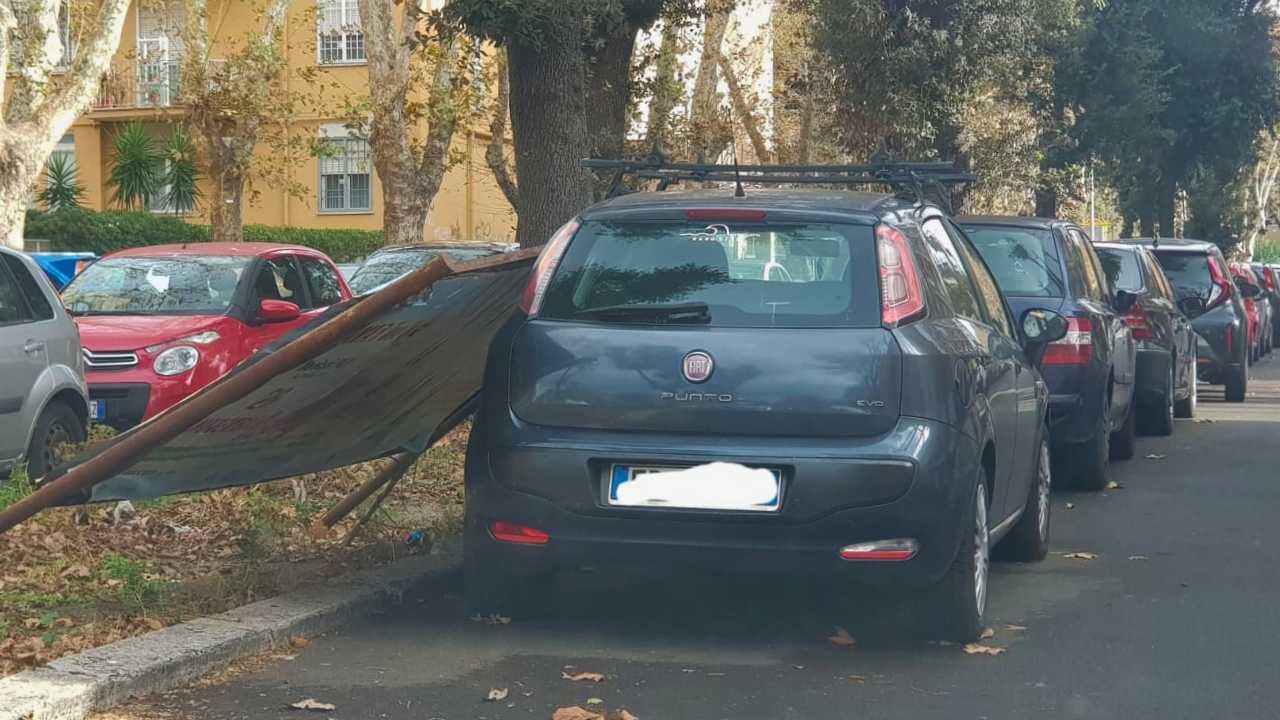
x=110 y=230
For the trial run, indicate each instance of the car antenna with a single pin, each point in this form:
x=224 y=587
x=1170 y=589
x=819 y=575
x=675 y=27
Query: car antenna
x=738 y=190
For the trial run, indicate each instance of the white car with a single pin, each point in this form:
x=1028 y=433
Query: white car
x=44 y=402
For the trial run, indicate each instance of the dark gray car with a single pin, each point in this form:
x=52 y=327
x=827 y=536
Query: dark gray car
x=823 y=384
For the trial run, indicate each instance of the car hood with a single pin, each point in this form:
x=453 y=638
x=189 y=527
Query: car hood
x=133 y=332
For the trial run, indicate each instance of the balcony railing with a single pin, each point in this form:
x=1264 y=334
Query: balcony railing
x=141 y=83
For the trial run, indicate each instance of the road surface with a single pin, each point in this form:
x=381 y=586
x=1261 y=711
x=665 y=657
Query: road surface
x=1177 y=617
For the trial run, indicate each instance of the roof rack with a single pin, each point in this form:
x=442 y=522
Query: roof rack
x=911 y=178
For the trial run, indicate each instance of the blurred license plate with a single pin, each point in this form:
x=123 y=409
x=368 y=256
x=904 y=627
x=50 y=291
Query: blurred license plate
x=715 y=486
x=97 y=410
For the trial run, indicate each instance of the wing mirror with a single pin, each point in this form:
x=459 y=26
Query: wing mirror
x=1193 y=306
x=1039 y=328
x=278 y=311
x=1124 y=301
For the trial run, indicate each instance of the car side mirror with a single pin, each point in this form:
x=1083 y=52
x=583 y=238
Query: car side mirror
x=1193 y=306
x=1124 y=301
x=1248 y=289
x=278 y=311
x=1039 y=328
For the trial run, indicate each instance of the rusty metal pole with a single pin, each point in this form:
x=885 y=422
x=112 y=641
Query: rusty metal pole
x=134 y=445
x=400 y=464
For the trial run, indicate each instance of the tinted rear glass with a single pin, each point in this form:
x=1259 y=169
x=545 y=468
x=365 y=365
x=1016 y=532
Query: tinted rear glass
x=1121 y=267
x=1188 y=272
x=747 y=275
x=1025 y=261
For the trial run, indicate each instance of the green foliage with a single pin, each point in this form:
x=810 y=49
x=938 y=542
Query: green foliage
x=136 y=168
x=18 y=486
x=62 y=189
x=111 y=230
x=133 y=589
x=180 y=175
x=1267 y=250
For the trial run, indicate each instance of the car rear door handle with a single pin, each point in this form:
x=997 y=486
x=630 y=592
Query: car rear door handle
x=32 y=347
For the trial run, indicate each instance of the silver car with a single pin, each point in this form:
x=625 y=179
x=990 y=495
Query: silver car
x=43 y=397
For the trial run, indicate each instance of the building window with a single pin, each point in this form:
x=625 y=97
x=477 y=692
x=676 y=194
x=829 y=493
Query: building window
x=66 y=149
x=345 y=180
x=339 y=34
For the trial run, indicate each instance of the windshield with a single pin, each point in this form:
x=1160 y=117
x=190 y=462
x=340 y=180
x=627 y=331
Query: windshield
x=1122 y=268
x=178 y=285
x=1188 y=272
x=386 y=267
x=752 y=275
x=1025 y=260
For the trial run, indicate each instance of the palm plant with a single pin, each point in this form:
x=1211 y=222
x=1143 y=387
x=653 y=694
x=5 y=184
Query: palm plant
x=61 y=190
x=136 y=173
x=180 y=175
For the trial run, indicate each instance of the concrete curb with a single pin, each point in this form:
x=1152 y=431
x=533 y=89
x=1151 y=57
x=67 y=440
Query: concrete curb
x=71 y=687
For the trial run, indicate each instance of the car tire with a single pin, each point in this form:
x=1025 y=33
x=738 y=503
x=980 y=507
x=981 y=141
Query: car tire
x=955 y=609
x=1237 y=384
x=58 y=425
x=1124 y=443
x=1186 y=408
x=1092 y=457
x=1028 y=541
x=1157 y=418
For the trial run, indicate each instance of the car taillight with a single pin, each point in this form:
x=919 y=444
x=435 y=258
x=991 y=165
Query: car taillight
x=518 y=534
x=545 y=267
x=901 y=299
x=1138 y=322
x=1074 y=349
x=1221 y=285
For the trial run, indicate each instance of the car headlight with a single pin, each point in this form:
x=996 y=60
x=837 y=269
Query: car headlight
x=176 y=360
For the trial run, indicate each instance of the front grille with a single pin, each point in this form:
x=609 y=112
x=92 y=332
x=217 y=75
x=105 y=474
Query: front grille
x=109 y=360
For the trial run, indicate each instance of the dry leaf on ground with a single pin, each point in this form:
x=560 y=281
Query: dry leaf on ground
x=1015 y=628
x=987 y=633
x=575 y=713
x=1080 y=555
x=624 y=715
x=497 y=694
x=154 y=624
x=976 y=649
x=1154 y=456
x=1113 y=485
x=1139 y=557
x=859 y=679
x=1071 y=506
x=299 y=642
x=313 y=704
x=842 y=638
x=595 y=701
x=583 y=676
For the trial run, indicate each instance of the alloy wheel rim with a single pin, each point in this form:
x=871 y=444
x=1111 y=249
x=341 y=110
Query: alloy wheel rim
x=57 y=437
x=981 y=558
x=1170 y=396
x=1045 y=481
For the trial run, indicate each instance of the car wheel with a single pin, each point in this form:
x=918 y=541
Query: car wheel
x=956 y=608
x=1092 y=457
x=1186 y=408
x=1028 y=541
x=1157 y=418
x=1124 y=445
x=1237 y=384
x=57 y=427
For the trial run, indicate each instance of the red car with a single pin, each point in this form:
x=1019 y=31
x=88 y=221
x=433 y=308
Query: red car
x=1244 y=276
x=158 y=323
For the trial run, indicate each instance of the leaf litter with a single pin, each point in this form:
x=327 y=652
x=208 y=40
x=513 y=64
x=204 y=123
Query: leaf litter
x=313 y=704
x=842 y=638
x=594 y=677
x=1081 y=555
x=497 y=694
x=978 y=649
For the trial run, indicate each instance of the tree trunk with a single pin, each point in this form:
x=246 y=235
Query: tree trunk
x=495 y=155
x=608 y=75
x=1165 y=206
x=549 y=127
x=19 y=167
x=666 y=89
x=1046 y=202
x=404 y=214
x=1147 y=220
x=742 y=111
x=704 y=121
x=226 y=208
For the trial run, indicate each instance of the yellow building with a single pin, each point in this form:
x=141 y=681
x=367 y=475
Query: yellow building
x=339 y=190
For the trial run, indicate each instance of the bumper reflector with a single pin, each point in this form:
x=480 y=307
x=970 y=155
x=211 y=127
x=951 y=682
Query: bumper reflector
x=883 y=550
x=517 y=534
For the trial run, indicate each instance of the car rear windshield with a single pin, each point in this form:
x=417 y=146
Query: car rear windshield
x=1025 y=260
x=1187 y=271
x=180 y=285
x=383 y=268
x=733 y=275
x=1122 y=269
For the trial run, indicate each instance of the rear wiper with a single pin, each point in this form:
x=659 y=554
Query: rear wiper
x=695 y=312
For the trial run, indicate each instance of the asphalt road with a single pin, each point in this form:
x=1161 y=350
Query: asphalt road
x=1178 y=616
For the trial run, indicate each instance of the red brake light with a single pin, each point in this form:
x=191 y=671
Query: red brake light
x=901 y=299
x=518 y=534
x=725 y=215
x=1138 y=322
x=1221 y=285
x=545 y=267
x=1074 y=349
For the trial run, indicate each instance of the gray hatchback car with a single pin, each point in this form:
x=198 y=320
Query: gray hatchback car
x=812 y=383
x=43 y=398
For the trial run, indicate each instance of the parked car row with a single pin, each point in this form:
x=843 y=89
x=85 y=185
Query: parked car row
x=853 y=386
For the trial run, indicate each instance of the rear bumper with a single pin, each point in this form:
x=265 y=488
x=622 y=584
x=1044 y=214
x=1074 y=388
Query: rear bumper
x=124 y=404
x=910 y=483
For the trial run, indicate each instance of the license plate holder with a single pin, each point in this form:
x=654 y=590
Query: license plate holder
x=97 y=410
x=717 y=486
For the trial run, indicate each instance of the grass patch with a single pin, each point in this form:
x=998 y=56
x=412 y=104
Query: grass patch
x=133 y=589
x=17 y=487
x=29 y=600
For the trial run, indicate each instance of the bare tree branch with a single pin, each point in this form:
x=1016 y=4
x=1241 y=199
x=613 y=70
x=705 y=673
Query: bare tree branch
x=496 y=153
x=742 y=112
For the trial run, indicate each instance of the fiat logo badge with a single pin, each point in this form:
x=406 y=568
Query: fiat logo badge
x=697 y=366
